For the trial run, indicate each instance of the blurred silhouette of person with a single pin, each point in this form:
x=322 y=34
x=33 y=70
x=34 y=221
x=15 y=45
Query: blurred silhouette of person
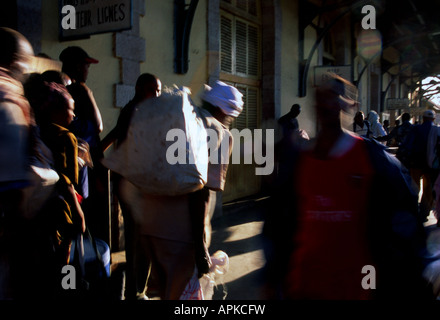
x=396 y=137
x=413 y=153
x=291 y=135
x=386 y=126
x=147 y=86
x=334 y=210
x=290 y=126
x=377 y=129
x=289 y=121
x=361 y=126
x=404 y=128
x=137 y=269
x=57 y=112
x=222 y=103
x=88 y=125
x=16 y=121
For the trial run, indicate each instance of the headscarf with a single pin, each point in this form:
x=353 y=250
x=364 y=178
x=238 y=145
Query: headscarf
x=224 y=96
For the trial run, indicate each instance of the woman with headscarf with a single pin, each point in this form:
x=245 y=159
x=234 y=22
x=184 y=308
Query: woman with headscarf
x=377 y=129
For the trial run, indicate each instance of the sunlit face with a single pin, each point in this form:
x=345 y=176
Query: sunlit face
x=67 y=114
x=158 y=88
x=70 y=112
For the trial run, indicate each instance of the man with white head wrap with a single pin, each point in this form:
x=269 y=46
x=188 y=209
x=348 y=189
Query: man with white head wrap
x=225 y=97
x=221 y=104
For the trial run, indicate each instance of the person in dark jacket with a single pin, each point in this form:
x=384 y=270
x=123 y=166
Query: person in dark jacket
x=88 y=125
x=339 y=208
x=413 y=153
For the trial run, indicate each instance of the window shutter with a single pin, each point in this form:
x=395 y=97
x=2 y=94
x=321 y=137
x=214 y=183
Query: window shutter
x=240 y=59
x=248 y=118
x=252 y=108
x=241 y=121
x=241 y=47
x=253 y=48
x=249 y=6
x=226 y=44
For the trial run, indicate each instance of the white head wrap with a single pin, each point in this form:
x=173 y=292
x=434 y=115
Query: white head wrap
x=224 y=96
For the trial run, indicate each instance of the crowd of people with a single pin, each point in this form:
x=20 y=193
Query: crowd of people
x=344 y=204
x=54 y=185
x=415 y=146
x=318 y=237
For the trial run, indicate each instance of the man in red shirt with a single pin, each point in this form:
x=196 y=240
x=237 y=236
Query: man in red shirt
x=334 y=211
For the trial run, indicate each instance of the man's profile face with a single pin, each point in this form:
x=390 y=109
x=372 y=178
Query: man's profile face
x=83 y=71
x=158 y=88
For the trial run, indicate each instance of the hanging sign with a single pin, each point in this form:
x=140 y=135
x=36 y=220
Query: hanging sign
x=396 y=103
x=82 y=18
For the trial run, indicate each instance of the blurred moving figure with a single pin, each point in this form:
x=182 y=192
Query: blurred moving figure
x=88 y=125
x=361 y=126
x=16 y=120
x=413 y=153
x=138 y=265
x=334 y=210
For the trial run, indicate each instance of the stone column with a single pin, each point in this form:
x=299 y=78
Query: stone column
x=130 y=47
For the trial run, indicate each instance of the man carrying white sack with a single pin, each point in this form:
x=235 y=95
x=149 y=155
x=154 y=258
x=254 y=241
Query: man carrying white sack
x=221 y=104
x=158 y=187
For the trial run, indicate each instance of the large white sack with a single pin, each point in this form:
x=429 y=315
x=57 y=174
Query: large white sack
x=142 y=157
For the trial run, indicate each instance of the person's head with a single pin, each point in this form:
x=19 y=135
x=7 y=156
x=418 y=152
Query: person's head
x=34 y=93
x=406 y=117
x=16 y=53
x=373 y=116
x=333 y=96
x=223 y=101
x=148 y=86
x=58 y=106
x=428 y=115
x=295 y=110
x=76 y=63
x=386 y=123
x=359 y=117
x=55 y=76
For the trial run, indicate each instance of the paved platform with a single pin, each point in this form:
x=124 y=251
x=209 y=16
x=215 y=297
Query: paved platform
x=237 y=232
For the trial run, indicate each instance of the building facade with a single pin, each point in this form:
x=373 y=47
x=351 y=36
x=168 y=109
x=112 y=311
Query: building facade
x=273 y=51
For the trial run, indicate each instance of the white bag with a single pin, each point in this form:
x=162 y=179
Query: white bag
x=147 y=157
